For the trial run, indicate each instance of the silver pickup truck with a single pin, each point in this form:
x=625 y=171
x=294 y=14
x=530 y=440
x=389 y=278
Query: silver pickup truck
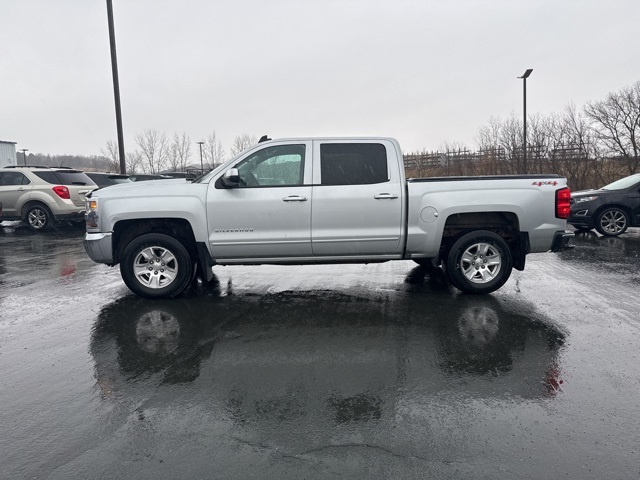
x=324 y=200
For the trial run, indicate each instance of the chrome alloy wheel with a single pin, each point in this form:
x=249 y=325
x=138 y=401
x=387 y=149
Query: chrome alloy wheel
x=155 y=267
x=37 y=218
x=613 y=222
x=480 y=263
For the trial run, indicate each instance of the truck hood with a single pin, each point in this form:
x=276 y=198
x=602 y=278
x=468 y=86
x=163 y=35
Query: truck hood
x=140 y=189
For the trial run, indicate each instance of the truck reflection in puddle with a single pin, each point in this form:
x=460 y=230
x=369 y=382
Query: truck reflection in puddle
x=350 y=357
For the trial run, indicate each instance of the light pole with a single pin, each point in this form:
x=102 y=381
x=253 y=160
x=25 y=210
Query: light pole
x=24 y=154
x=524 y=122
x=201 y=164
x=116 y=87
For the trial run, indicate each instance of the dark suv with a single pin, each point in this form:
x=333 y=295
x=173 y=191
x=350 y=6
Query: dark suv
x=610 y=209
x=40 y=196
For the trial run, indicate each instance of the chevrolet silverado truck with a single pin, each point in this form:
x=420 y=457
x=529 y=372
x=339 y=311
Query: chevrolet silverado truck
x=324 y=200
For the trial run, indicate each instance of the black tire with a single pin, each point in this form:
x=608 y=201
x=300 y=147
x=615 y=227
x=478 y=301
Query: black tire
x=612 y=222
x=479 y=262
x=156 y=265
x=38 y=217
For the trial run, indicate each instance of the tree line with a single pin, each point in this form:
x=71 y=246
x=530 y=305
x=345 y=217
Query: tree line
x=156 y=152
x=591 y=146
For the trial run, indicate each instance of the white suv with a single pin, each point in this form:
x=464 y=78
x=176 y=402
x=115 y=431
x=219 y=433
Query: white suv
x=41 y=196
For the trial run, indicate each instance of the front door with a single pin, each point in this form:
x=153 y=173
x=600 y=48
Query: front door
x=268 y=215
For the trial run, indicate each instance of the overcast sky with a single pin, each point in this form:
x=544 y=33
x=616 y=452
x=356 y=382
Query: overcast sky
x=424 y=71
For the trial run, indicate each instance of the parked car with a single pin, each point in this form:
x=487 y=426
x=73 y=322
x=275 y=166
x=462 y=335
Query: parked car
x=610 y=209
x=106 y=179
x=142 y=177
x=41 y=196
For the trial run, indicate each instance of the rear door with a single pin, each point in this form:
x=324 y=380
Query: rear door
x=357 y=199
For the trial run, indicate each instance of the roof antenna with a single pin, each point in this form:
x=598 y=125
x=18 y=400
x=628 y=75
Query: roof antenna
x=263 y=138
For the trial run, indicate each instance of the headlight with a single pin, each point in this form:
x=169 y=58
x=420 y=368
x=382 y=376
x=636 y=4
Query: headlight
x=91 y=212
x=585 y=199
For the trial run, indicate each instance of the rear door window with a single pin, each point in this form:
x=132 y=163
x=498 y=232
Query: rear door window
x=353 y=163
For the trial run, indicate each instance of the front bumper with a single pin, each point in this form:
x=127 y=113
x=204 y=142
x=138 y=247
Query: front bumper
x=561 y=241
x=99 y=247
x=582 y=220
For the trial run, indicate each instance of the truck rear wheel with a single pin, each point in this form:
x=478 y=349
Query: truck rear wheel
x=479 y=262
x=156 y=265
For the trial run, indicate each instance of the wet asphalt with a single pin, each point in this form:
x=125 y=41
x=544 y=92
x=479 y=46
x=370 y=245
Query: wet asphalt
x=351 y=371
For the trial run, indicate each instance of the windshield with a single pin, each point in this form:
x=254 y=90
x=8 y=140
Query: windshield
x=623 y=183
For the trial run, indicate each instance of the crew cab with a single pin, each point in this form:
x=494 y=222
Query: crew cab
x=324 y=200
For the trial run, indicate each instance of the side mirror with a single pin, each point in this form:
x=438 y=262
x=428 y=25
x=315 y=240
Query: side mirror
x=231 y=178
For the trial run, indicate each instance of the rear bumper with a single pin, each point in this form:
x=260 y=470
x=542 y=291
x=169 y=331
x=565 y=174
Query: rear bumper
x=561 y=241
x=70 y=216
x=99 y=247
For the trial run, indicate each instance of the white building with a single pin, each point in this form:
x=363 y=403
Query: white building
x=7 y=153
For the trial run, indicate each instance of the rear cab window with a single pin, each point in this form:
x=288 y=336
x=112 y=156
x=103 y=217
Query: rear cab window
x=353 y=164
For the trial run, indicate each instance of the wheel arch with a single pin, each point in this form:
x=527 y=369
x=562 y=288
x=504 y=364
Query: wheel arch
x=503 y=223
x=32 y=202
x=620 y=206
x=124 y=231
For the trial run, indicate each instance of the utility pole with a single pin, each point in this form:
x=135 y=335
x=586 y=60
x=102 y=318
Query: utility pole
x=201 y=164
x=116 y=87
x=24 y=154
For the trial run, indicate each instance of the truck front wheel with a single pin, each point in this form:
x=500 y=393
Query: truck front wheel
x=156 y=265
x=479 y=262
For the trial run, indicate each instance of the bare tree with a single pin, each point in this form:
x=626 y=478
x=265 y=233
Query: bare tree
x=504 y=136
x=213 y=151
x=154 y=148
x=241 y=143
x=179 y=153
x=134 y=162
x=112 y=154
x=574 y=152
x=616 y=122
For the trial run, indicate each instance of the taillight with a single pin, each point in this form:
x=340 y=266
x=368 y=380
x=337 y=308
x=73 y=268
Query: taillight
x=62 y=192
x=563 y=203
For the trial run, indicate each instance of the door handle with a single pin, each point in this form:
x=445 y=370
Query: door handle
x=294 y=198
x=385 y=196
